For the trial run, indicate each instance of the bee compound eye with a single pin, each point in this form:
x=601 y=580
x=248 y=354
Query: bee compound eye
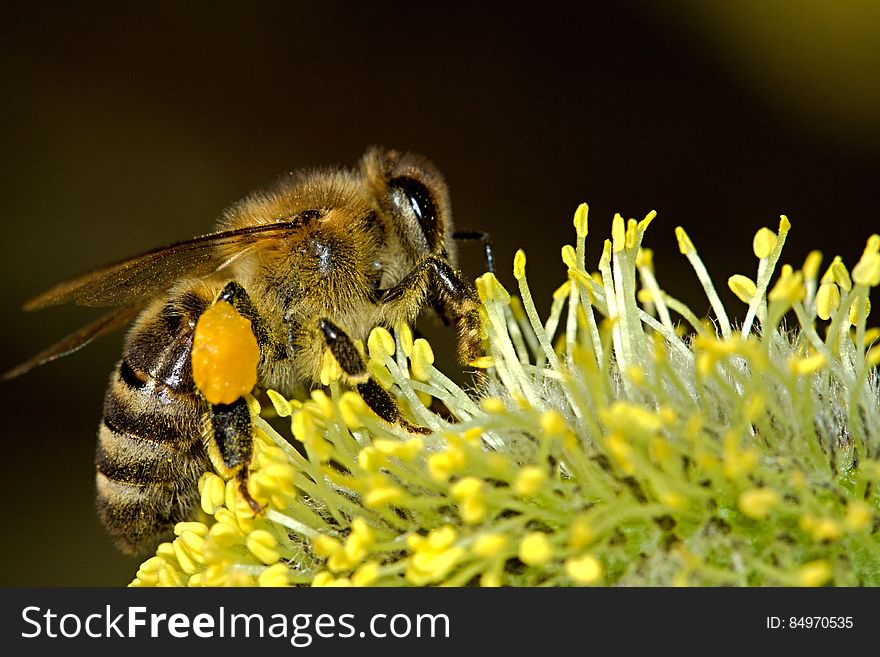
x=414 y=201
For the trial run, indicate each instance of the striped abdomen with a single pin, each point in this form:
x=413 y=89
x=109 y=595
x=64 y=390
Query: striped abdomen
x=150 y=453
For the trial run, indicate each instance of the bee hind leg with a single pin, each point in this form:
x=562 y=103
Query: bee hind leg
x=235 y=294
x=230 y=444
x=379 y=401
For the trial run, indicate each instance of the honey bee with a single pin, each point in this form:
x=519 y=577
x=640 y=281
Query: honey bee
x=313 y=263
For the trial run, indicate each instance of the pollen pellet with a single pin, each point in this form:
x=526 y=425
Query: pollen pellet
x=224 y=355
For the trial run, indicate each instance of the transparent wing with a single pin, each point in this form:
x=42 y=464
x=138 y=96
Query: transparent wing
x=108 y=323
x=136 y=279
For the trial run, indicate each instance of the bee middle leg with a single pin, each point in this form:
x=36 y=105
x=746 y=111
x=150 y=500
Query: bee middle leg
x=349 y=359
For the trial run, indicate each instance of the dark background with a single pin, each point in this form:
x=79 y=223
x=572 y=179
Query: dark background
x=127 y=128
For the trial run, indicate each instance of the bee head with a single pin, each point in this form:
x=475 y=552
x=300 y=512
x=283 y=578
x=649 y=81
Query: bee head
x=410 y=191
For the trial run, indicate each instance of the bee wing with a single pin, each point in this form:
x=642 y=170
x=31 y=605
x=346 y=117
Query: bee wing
x=141 y=277
x=75 y=341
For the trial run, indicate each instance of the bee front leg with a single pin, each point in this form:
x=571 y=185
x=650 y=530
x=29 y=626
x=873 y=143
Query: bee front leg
x=454 y=299
x=345 y=353
x=485 y=241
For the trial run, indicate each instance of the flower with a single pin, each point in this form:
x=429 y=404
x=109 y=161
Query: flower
x=606 y=443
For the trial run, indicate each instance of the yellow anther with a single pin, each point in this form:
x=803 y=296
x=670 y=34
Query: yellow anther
x=442 y=537
x=618 y=234
x=325 y=546
x=444 y=464
x=605 y=258
x=341 y=561
x=212 y=490
x=858 y=516
x=371 y=459
x=529 y=480
x=840 y=274
x=489 y=545
x=492 y=405
x=323 y=402
x=811 y=265
x=684 y=242
x=867 y=270
x=380 y=344
x=764 y=242
x=632 y=233
x=808 y=365
x=645 y=258
x=275 y=575
x=757 y=502
x=489 y=288
x=482 y=362
x=366 y=574
x=405 y=450
x=580 y=533
x=621 y=451
x=855 y=307
x=635 y=374
x=789 y=287
x=282 y=406
x=406 y=339
x=490 y=579
x=351 y=407
x=422 y=359
x=821 y=529
x=196 y=528
x=535 y=549
x=552 y=423
x=322 y=579
x=569 y=256
x=466 y=487
x=472 y=510
x=382 y=495
x=584 y=570
x=815 y=573
x=519 y=264
x=330 y=368
x=827 y=300
x=224 y=535
x=580 y=219
x=673 y=499
x=743 y=287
